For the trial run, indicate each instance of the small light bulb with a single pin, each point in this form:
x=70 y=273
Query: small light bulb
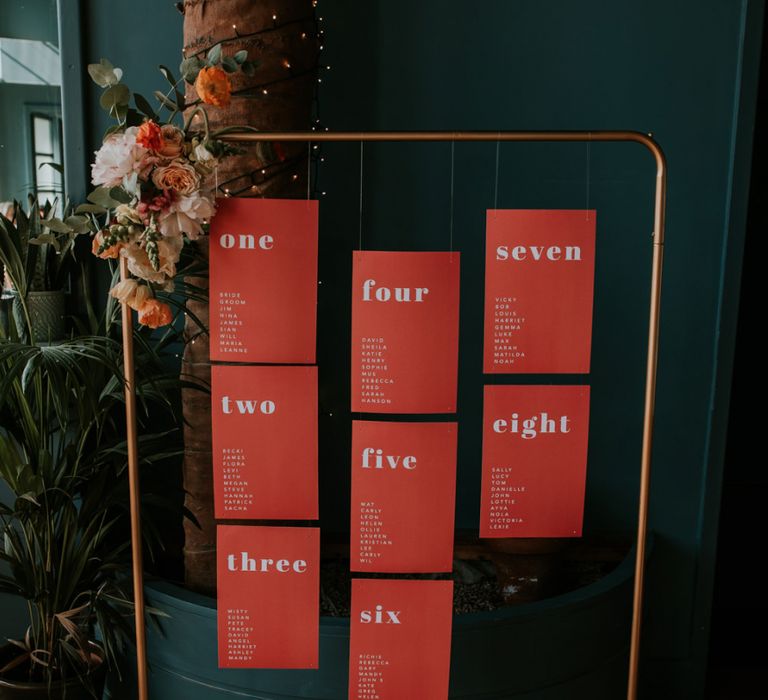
x=294 y=177
x=263 y=171
x=265 y=91
x=274 y=18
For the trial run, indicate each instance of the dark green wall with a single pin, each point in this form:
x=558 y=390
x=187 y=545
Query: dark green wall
x=686 y=72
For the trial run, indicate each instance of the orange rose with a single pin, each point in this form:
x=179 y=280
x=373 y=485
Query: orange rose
x=178 y=176
x=154 y=313
x=111 y=252
x=173 y=142
x=213 y=86
x=150 y=136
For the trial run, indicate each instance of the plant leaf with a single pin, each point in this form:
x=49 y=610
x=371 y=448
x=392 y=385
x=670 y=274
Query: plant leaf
x=214 y=55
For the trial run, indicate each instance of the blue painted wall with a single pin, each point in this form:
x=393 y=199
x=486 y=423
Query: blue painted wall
x=685 y=71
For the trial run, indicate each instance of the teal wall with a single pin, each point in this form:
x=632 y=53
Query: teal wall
x=685 y=71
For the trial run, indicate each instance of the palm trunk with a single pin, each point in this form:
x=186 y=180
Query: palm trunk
x=282 y=36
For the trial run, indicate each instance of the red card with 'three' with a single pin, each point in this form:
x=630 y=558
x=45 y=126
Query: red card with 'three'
x=405 y=332
x=400 y=639
x=268 y=596
x=264 y=435
x=403 y=496
x=539 y=287
x=534 y=461
x=263 y=280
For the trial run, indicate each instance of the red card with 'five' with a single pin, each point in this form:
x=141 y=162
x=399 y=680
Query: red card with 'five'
x=405 y=332
x=400 y=639
x=264 y=442
x=534 y=461
x=403 y=496
x=539 y=285
x=263 y=280
x=268 y=589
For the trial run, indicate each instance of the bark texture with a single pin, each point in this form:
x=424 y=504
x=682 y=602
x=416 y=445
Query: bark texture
x=282 y=36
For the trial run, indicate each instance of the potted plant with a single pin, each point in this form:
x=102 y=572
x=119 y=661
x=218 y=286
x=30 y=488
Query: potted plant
x=36 y=251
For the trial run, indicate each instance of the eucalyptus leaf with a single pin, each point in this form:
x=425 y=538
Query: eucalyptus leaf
x=101 y=197
x=214 y=55
x=143 y=106
x=119 y=195
x=249 y=67
x=104 y=74
x=229 y=64
x=90 y=209
x=115 y=96
x=241 y=56
x=166 y=101
x=56 y=225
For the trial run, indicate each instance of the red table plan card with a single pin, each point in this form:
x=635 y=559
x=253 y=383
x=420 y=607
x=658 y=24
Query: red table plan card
x=264 y=436
x=534 y=461
x=405 y=332
x=403 y=496
x=263 y=280
x=400 y=639
x=268 y=596
x=539 y=285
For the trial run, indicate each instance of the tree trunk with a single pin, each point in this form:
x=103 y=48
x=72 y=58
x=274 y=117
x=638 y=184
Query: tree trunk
x=282 y=36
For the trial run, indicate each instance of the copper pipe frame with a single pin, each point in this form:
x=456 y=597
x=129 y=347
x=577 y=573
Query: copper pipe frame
x=134 y=493
x=651 y=365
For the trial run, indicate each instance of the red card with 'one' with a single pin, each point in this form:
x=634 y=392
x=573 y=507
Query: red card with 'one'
x=263 y=280
x=268 y=596
x=403 y=496
x=539 y=287
x=534 y=461
x=264 y=442
x=400 y=639
x=405 y=332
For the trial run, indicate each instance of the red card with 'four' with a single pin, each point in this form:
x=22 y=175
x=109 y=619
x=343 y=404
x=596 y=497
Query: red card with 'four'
x=403 y=496
x=263 y=280
x=539 y=284
x=405 y=332
x=534 y=461
x=400 y=639
x=268 y=596
x=264 y=442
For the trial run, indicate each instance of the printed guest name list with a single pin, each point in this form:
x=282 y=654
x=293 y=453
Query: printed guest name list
x=263 y=280
x=539 y=284
x=403 y=496
x=405 y=332
x=268 y=609
x=534 y=461
x=264 y=442
x=400 y=639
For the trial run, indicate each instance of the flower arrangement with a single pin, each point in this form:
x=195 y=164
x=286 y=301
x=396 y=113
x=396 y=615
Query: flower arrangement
x=152 y=176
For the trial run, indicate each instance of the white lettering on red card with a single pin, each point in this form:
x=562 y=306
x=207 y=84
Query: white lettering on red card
x=268 y=596
x=263 y=280
x=264 y=440
x=405 y=332
x=403 y=496
x=534 y=461
x=400 y=639
x=539 y=286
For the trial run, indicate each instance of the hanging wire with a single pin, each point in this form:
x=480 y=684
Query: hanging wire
x=360 y=220
x=589 y=155
x=450 y=230
x=309 y=167
x=496 y=181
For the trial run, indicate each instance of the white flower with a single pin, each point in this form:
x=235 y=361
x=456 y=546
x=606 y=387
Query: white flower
x=168 y=249
x=186 y=216
x=118 y=157
x=202 y=154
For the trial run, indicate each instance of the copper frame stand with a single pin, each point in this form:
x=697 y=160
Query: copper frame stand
x=651 y=366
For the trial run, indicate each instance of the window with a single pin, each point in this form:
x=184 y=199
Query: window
x=46 y=148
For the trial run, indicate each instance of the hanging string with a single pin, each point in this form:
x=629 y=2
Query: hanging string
x=496 y=180
x=589 y=154
x=309 y=166
x=450 y=230
x=360 y=221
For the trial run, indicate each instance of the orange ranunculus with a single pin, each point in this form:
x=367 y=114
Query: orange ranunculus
x=150 y=136
x=213 y=86
x=111 y=252
x=154 y=313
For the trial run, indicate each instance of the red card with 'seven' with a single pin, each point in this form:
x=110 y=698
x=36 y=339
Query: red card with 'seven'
x=539 y=286
x=534 y=461
x=400 y=639
x=268 y=596
x=264 y=442
x=263 y=280
x=405 y=332
x=403 y=496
